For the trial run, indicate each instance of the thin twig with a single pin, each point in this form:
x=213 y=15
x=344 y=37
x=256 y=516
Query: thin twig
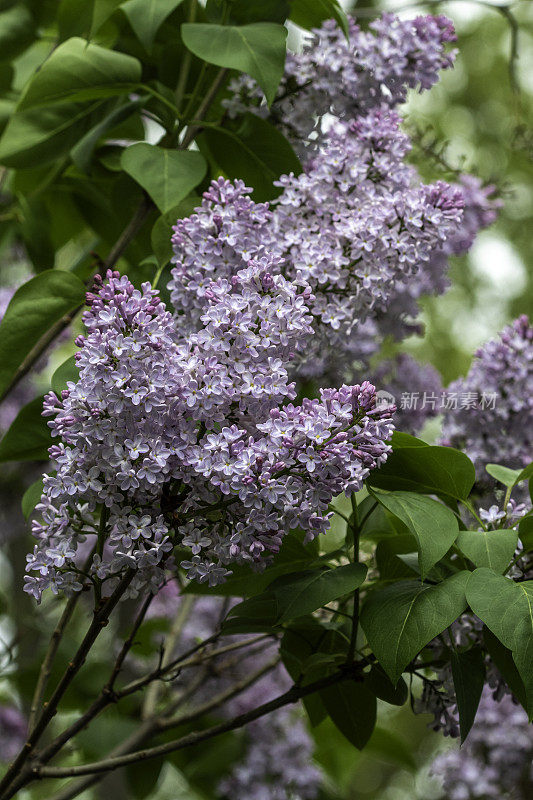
x=46 y=666
x=152 y=694
x=107 y=765
x=100 y=619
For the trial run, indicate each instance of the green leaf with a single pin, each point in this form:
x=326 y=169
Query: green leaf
x=429 y=470
x=256 y=152
x=102 y=11
x=79 y=71
x=401 y=619
x=299 y=643
x=492 y=549
x=28 y=438
x=312 y=13
x=506 y=608
x=503 y=475
x=167 y=175
x=162 y=230
x=67 y=371
x=352 y=708
x=37 y=136
x=526 y=474
x=301 y=593
x=82 y=152
x=468 y=671
x=17 y=30
x=257 y=49
x=147 y=16
x=378 y=682
x=503 y=658
x=34 y=308
x=434 y=526
x=31 y=497
x=525 y=531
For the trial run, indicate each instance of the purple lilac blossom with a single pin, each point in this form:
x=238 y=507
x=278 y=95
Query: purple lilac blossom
x=499 y=428
x=194 y=440
x=345 y=78
x=13 y=728
x=496 y=760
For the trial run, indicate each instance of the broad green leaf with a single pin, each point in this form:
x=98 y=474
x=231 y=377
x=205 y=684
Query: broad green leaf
x=147 y=16
x=401 y=619
x=400 y=439
x=31 y=497
x=17 y=30
x=76 y=71
x=380 y=684
x=352 y=708
x=35 y=231
x=34 y=308
x=256 y=152
x=503 y=658
x=506 y=608
x=312 y=13
x=468 y=671
x=82 y=152
x=429 y=470
x=242 y=11
x=492 y=549
x=434 y=526
x=298 y=594
x=526 y=474
x=162 y=231
x=299 y=644
x=525 y=532
x=28 y=438
x=102 y=10
x=74 y=18
x=504 y=475
x=37 y=136
x=257 y=49
x=67 y=371
x=167 y=175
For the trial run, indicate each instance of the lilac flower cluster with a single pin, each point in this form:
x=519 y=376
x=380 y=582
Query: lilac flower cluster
x=13 y=729
x=336 y=104
x=496 y=760
x=501 y=433
x=191 y=440
x=345 y=78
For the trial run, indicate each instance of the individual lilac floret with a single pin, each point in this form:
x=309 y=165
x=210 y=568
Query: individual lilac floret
x=498 y=427
x=496 y=760
x=173 y=439
x=344 y=78
x=13 y=730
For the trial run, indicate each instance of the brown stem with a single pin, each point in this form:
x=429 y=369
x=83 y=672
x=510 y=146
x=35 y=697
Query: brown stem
x=46 y=667
x=107 y=765
x=99 y=621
